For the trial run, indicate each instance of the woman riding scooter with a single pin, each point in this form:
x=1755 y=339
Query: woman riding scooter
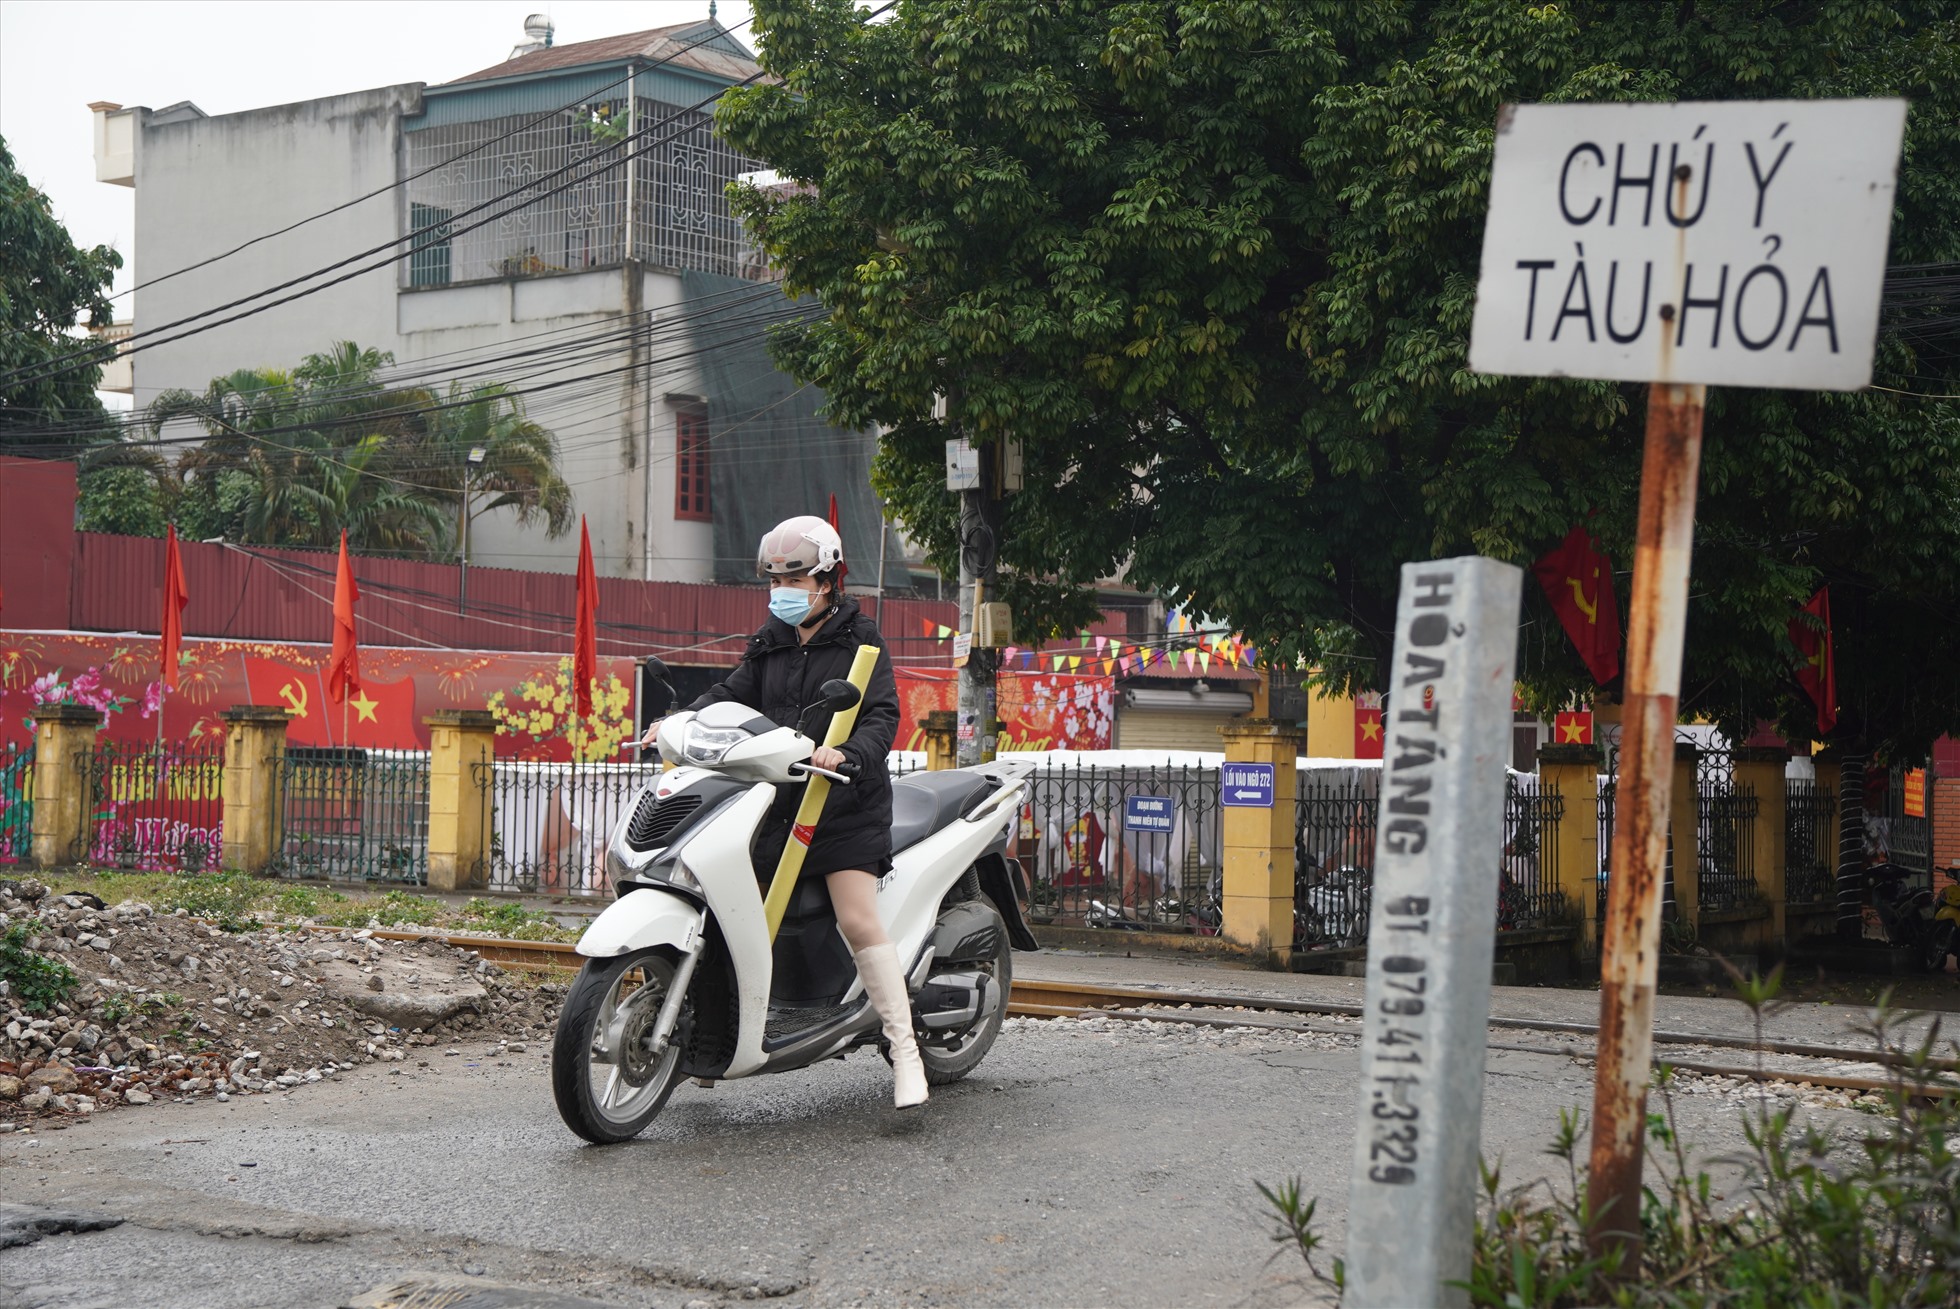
x=812 y=635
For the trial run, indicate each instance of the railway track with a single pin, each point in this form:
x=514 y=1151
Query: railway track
x=1050 y=999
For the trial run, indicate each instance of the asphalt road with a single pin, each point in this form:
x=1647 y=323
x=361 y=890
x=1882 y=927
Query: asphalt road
x=1085 y=1163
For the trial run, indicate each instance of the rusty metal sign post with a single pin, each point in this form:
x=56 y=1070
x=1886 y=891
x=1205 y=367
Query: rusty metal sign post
x=1683 y=245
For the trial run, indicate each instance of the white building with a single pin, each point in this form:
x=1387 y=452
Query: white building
x=516 y=222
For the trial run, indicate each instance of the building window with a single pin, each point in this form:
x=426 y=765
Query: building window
x=691 y=467
x=428 y=253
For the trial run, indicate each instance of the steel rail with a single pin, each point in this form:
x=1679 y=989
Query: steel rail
x=1049 y=999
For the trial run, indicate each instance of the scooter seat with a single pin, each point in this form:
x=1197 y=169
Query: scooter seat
x=923 y=803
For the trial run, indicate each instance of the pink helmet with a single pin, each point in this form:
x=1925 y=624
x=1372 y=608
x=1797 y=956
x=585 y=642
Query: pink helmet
x=806 y=544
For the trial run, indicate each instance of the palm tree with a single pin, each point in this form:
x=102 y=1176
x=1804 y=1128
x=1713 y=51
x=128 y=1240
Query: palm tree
x=517 y=467
x=291 y=458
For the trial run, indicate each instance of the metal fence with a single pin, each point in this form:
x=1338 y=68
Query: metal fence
x=1809 y=855
x=562 y=187
x=1907 y=841
x=1528 y=891
x=152 y=807
x=16 y=802
x=1609 y=789
x=355 y=815
x=1726 y=850
x=1095 y=859
x=1333 y=861
x=549 y=822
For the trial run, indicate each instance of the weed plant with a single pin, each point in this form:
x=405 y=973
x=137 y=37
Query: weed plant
x=35 y=981
x=1864 y=1217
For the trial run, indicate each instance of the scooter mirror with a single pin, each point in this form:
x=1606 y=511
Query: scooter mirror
x=656 y=692
x=839 y=695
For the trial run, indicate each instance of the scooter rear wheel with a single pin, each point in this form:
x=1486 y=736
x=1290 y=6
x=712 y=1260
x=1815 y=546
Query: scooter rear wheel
x=945 y=1066
x=1935 y=946
x=607 y=1081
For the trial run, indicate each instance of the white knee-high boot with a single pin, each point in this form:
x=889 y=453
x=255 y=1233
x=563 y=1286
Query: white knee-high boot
x=884 y=982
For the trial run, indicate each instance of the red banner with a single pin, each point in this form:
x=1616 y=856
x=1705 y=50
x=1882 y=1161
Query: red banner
x=1037 y=711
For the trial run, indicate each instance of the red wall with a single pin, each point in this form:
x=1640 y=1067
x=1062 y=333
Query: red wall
x=53 y=578
x=37 y=541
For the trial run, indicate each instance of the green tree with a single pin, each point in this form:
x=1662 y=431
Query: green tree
x=292 y=458
x=48 y=286
x=518 y=469
x=1213 y=265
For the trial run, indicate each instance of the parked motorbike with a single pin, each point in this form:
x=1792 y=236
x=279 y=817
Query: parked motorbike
x=1943 y=937
x=1905 y=910
x=681 y=978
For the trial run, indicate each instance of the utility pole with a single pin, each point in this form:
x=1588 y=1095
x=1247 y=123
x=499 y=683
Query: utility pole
x=979 y=548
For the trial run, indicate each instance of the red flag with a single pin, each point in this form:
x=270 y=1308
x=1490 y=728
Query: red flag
x=1367 y=732
x=175 y=597
x=1578 y=580
x=344 y=668
x=1572 y=727
x=585 y=631
x=842 y=571
x=1818 y=673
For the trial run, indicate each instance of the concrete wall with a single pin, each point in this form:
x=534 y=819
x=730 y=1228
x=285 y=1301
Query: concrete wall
x=205 y=185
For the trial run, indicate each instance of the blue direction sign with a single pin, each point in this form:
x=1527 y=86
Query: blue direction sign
x=1147 y=813
x=1248 y=785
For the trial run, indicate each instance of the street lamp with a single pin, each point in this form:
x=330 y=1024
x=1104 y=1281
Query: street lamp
x=474 y=459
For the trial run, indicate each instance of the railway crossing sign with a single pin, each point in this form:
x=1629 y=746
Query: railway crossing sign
x=1148 y=813
x=1739 y=242
x=1248 y=786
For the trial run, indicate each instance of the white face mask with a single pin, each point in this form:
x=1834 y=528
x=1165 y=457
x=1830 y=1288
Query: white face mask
x=791 y=604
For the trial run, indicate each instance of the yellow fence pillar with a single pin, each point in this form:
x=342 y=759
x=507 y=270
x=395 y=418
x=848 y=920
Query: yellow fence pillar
x=1259 y=841
x=1684 y=830
x=255 y=747
x=1573 y=772
x=64 y=736
x=1760 y=769
x=462 y=750
x=941 y=727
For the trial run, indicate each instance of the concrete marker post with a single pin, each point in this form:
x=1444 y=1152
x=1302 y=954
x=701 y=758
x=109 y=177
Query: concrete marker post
x=1432 y=933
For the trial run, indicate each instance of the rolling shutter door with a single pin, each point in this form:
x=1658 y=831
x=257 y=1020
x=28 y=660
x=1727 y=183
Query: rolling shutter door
x=1169 y=729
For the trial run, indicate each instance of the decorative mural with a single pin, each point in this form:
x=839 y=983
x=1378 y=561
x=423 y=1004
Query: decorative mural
x=529 y=693
x=1037 y=711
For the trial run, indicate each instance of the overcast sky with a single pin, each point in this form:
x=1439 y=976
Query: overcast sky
x=56 y=57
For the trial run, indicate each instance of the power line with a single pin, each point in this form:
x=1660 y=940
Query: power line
x=658 y=331
x=447 y=229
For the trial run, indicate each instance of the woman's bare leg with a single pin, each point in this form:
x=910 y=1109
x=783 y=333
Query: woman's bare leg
x=854 y=898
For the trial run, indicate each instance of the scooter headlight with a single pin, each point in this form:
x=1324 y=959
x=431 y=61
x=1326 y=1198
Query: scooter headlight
x=706 y=745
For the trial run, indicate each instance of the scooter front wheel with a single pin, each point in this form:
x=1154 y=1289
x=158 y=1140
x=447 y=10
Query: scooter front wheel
x=608 y=1081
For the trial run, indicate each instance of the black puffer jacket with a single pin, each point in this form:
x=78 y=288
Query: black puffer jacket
x=779 y=678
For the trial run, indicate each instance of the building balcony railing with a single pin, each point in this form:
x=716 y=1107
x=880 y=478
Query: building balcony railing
x=562 y=195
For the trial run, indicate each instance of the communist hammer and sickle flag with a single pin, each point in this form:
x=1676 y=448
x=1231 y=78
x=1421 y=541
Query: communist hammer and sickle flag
x=1578 y=580
x=1810 y=632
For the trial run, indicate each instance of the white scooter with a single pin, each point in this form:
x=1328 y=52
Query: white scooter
x=681 y=978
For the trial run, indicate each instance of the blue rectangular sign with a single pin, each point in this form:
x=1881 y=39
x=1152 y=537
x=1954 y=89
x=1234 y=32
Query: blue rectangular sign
x=1148 y=813
x=1247 y=785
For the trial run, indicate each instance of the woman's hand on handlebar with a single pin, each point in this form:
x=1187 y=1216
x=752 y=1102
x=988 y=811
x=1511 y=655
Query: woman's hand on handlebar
x=829 y=756
x=652 y=734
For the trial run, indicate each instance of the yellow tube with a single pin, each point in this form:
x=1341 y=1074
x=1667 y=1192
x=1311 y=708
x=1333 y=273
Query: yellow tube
x=815 y=792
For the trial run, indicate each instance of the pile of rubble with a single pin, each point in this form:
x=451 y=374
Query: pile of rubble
x=165 y=1005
